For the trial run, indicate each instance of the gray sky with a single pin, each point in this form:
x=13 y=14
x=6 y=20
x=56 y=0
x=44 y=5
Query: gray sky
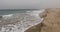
x=19 y=4
x=50 y=4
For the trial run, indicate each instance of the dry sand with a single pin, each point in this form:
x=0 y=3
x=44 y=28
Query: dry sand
x=52 y=21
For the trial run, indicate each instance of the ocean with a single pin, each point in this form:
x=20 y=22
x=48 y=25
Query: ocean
x=13 y=11
x=23 y=19
x=6 y=13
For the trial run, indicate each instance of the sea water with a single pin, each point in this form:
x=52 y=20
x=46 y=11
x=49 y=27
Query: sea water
x=12 y=11
x=27 y=16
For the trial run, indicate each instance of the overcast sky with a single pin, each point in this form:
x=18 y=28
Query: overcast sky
x=19 y=4
x=50 y=3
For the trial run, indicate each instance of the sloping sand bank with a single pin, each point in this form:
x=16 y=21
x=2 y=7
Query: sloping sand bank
x=52 y=21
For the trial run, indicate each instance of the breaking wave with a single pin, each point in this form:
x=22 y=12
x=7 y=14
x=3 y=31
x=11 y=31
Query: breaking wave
x=7 y=16
x=34 y=13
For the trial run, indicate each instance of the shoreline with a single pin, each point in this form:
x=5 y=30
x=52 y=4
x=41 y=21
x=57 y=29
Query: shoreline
x=26 y=18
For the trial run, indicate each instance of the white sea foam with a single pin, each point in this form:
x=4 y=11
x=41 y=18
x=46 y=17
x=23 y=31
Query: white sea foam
x=28 y=20
x=28 y=11
x=7 y=16
x=36 y=12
